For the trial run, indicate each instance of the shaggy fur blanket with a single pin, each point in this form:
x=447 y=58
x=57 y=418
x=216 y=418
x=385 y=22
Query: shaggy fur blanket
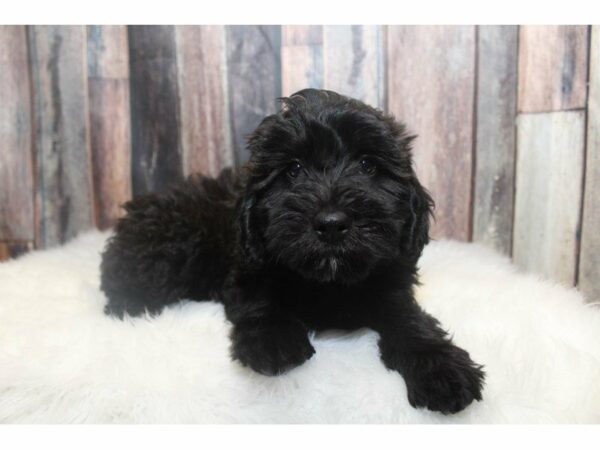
x=62 y=360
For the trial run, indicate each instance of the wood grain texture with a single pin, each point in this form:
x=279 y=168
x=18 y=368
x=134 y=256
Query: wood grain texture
x=110 y=126
x=353 y=62
x=301 y=58
x=107 y=52
x=548 y=193
x=254 y=77
x=64 y=195
x=14 y=249
x=16 y=175
x=495 y=138
x=430 y=87
x=201 y=63
x=552 y=67
x=155 y=120
x=589 y=263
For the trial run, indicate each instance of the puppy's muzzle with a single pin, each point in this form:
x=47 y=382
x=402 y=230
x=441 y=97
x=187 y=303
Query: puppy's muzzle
x=331 y=226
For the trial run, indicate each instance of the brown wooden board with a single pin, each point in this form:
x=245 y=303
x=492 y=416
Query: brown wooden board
x=430 y=86
x=495 y=136
x=254 y=79
x=353 y=62
x=550 y=150
x=201 y=62
x=589 y=263
x=64 y=196
x=14 y=249
x=552 y=67
x=301 y=58
x=110 y=126
x=155 y=121
x=16 y=177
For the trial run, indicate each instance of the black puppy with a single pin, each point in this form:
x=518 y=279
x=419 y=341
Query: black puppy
x=322 y=228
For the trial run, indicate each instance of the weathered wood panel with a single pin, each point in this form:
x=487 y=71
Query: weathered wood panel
x=552 y=68
x=201 y=63
x=59 y=77
x=495 y=138
x=353 y=62
x=254 y=75
x=589 y=264
x=110 y=126
x=10 y=250
x=16 y=177
x=430 y=87
x=301 y=58
x=155 y=123
x=548 y=193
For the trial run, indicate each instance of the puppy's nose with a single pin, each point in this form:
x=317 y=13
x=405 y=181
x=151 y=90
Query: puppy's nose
x=331 y=226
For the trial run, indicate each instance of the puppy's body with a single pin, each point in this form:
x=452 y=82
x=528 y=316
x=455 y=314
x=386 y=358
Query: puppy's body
x=171 y=246
x=321 y=229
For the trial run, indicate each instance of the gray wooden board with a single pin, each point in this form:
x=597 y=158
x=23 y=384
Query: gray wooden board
x=550 y=149
x=353 y=61
x=301 y=58
x=155 y=122
x=64 y=195
x=589 y=263
x=495 y=136
x=254 y=79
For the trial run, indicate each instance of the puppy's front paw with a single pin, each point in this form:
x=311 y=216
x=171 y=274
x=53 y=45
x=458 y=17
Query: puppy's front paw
x=272 y=349
x=446 y=381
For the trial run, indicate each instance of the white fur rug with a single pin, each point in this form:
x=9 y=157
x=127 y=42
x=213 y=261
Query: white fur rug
x=62 y=360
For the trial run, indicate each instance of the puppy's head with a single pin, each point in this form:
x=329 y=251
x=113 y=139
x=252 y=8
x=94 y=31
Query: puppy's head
x=330 y=190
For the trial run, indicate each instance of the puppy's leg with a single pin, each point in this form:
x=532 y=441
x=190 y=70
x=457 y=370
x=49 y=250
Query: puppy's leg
x=439 y=375
x=263 y=339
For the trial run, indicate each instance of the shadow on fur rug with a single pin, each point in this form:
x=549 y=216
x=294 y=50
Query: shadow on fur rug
x=62 y=360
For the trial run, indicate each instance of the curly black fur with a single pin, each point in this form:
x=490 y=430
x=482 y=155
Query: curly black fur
x=322 y=228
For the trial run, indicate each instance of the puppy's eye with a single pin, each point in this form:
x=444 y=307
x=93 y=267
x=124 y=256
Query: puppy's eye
x=367 y=166
x=294 y=169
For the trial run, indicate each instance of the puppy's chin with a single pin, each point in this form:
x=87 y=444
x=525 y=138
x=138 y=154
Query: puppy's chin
x=333 y=269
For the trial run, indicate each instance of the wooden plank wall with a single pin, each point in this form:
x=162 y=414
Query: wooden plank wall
x=508 y=136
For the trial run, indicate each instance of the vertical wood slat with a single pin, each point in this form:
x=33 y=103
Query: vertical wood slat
x=201 y=68
x=16 y=177
x=548 y=193
x=254 y=79
x=155 y=120
x=64 y=196
x=552 y=68
x=110 y=126
x=495 y=138
x=430 y=87
x=589 y=264
x=301 y=58
x=353 y=62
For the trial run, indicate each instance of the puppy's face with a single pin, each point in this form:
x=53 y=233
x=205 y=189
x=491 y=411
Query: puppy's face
x=331 y=191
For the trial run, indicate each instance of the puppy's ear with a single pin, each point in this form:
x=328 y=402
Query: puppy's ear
x=416 y=228
x=250 y=237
